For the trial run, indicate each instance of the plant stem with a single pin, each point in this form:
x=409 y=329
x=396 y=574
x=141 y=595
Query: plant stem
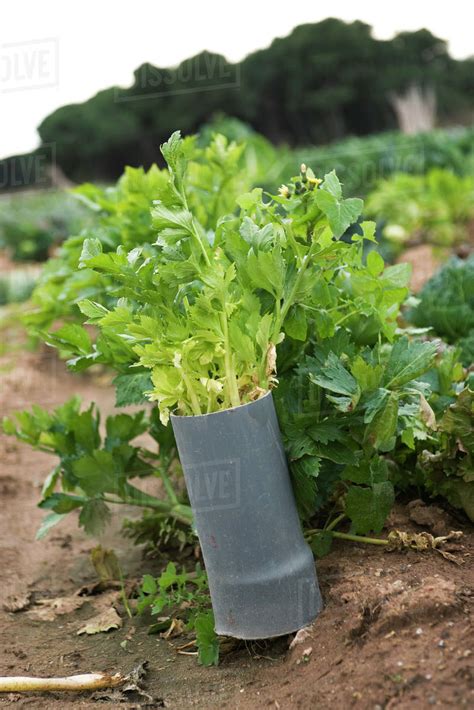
x=124 y=595
x=359 y=538
x=293 y=242
x=289 y=301
x=180 y=512
x=348 y=536
x=229 y=368
x=195 y=406
x=341 y=320
x=201 y=245
x=183 y=513
x=194 y=229
x=335 y=522
x=168 y=485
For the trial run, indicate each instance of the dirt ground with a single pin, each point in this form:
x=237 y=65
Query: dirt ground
x=424 y=264
x=395 y=632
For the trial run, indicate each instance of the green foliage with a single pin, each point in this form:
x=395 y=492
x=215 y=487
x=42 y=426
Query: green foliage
x=436 y=208
x=186 y=596
x=16 y=286
x=94 y=472
x=262 y=160
x=447 y=466
x=272 y=284
x=215 y=298
x=438 y=454
x=322 y=82
x=321 y=543
x=234 y=294
x=217 y=172
x=30 y=224
x=120 y=215
x=340 y=409
x=446 y=304
x=369 y=507
x=159 y=533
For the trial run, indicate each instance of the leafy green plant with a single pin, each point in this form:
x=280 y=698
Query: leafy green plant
x=341 y=410
x=278 y=286
x=233 y=297
x=446 y=304
x=271 y=295
x=119 y=215
x=436 y=208
x=218 y=171
x=158 y=533
x=263 y=163
x=185 y=596
x=448 y=468
x=94 y=472
x=238 y=294
x=30 y=224
x=362 y=162
x=16 y=286
x=438 y=458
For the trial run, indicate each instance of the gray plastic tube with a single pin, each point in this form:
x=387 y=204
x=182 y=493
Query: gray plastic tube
x=261 y=572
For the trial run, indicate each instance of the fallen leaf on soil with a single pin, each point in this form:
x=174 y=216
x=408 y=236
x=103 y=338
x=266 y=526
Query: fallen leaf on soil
x=176 y=628
x=102 y=602
x=133 y=684
x=106 y=621
x=17 y=602
x=105 y=563
x=450 y=557
x=400 y=540
x=49 y=609
x=301 y=636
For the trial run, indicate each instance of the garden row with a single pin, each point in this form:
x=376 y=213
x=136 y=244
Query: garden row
x=203 y=293
x=438 y=207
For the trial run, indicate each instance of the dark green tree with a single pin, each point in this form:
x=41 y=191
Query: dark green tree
x=322 y=82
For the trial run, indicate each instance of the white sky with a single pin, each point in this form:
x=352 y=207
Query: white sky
x=82 y=47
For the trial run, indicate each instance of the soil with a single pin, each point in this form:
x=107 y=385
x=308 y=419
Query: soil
x=395 y=631
x=424 y=264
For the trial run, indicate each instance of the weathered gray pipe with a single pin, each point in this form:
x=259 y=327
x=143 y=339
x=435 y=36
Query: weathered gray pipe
x=261 y=572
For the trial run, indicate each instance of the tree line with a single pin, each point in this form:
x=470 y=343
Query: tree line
x=322 y=82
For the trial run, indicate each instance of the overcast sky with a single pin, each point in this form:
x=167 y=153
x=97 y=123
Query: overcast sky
x=54 y=53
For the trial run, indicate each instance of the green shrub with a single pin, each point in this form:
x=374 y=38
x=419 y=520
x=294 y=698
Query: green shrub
x=217 y=294
x=362 y=162
x=236 y=294
x=31 y=223
x=436 y=208
x=446 y=304
x=16 y=286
